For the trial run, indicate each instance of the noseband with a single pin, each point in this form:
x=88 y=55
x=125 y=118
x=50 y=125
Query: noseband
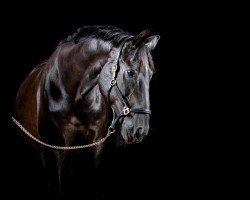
x=126 y=109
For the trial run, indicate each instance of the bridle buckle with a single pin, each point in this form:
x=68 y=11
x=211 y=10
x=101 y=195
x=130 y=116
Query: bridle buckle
x=126 y=110
x=114 y=68
x=112 y=82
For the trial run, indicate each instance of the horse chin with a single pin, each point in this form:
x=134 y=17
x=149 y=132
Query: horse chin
x=127 y=138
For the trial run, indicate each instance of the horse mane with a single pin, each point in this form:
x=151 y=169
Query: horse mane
x=106 y=33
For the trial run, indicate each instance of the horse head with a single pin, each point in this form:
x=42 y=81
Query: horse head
x=125 y=81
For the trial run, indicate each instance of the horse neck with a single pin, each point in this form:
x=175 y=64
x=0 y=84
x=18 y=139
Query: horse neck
x=75 y=62
x=74 y=69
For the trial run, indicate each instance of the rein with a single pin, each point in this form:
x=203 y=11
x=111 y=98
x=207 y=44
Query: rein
x=62 y=147
x=125 y=111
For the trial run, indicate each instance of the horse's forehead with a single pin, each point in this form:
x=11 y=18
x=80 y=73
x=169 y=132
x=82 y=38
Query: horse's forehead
x=140 y=63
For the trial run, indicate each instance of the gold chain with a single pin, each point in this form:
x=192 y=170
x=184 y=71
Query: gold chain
x=110 y=131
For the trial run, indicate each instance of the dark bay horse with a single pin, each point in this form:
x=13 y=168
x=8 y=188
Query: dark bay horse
x=67 y=100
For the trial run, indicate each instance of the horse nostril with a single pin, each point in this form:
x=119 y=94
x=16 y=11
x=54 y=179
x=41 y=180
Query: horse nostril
x=138 y=133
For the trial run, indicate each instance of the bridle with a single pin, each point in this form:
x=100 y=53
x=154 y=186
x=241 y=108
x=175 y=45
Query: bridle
x=112 y=128
x=126 y=110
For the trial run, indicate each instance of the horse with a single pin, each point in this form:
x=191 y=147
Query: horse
x=97 y=75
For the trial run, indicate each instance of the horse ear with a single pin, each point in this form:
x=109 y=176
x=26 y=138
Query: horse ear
x=141 y=37
x=152 y=41
x=144 y=39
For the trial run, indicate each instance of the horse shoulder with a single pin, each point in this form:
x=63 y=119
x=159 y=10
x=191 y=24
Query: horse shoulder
x=28 y=101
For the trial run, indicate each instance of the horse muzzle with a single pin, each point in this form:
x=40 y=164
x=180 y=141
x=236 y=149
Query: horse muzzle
x=134 y=129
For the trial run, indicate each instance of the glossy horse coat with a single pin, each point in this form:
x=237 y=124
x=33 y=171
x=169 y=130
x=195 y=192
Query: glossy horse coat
x=67 y=100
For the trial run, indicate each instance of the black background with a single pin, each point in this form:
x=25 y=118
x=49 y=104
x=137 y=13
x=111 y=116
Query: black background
x=178 y=158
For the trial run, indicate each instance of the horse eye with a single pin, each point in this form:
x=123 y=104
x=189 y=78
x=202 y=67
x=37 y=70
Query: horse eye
x=131 y=73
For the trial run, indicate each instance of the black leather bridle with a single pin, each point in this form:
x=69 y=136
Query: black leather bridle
x=126 y=109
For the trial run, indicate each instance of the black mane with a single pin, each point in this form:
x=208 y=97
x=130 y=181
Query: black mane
x=106 y=33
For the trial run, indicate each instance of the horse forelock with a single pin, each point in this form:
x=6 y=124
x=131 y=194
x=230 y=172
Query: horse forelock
x=140 y=58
